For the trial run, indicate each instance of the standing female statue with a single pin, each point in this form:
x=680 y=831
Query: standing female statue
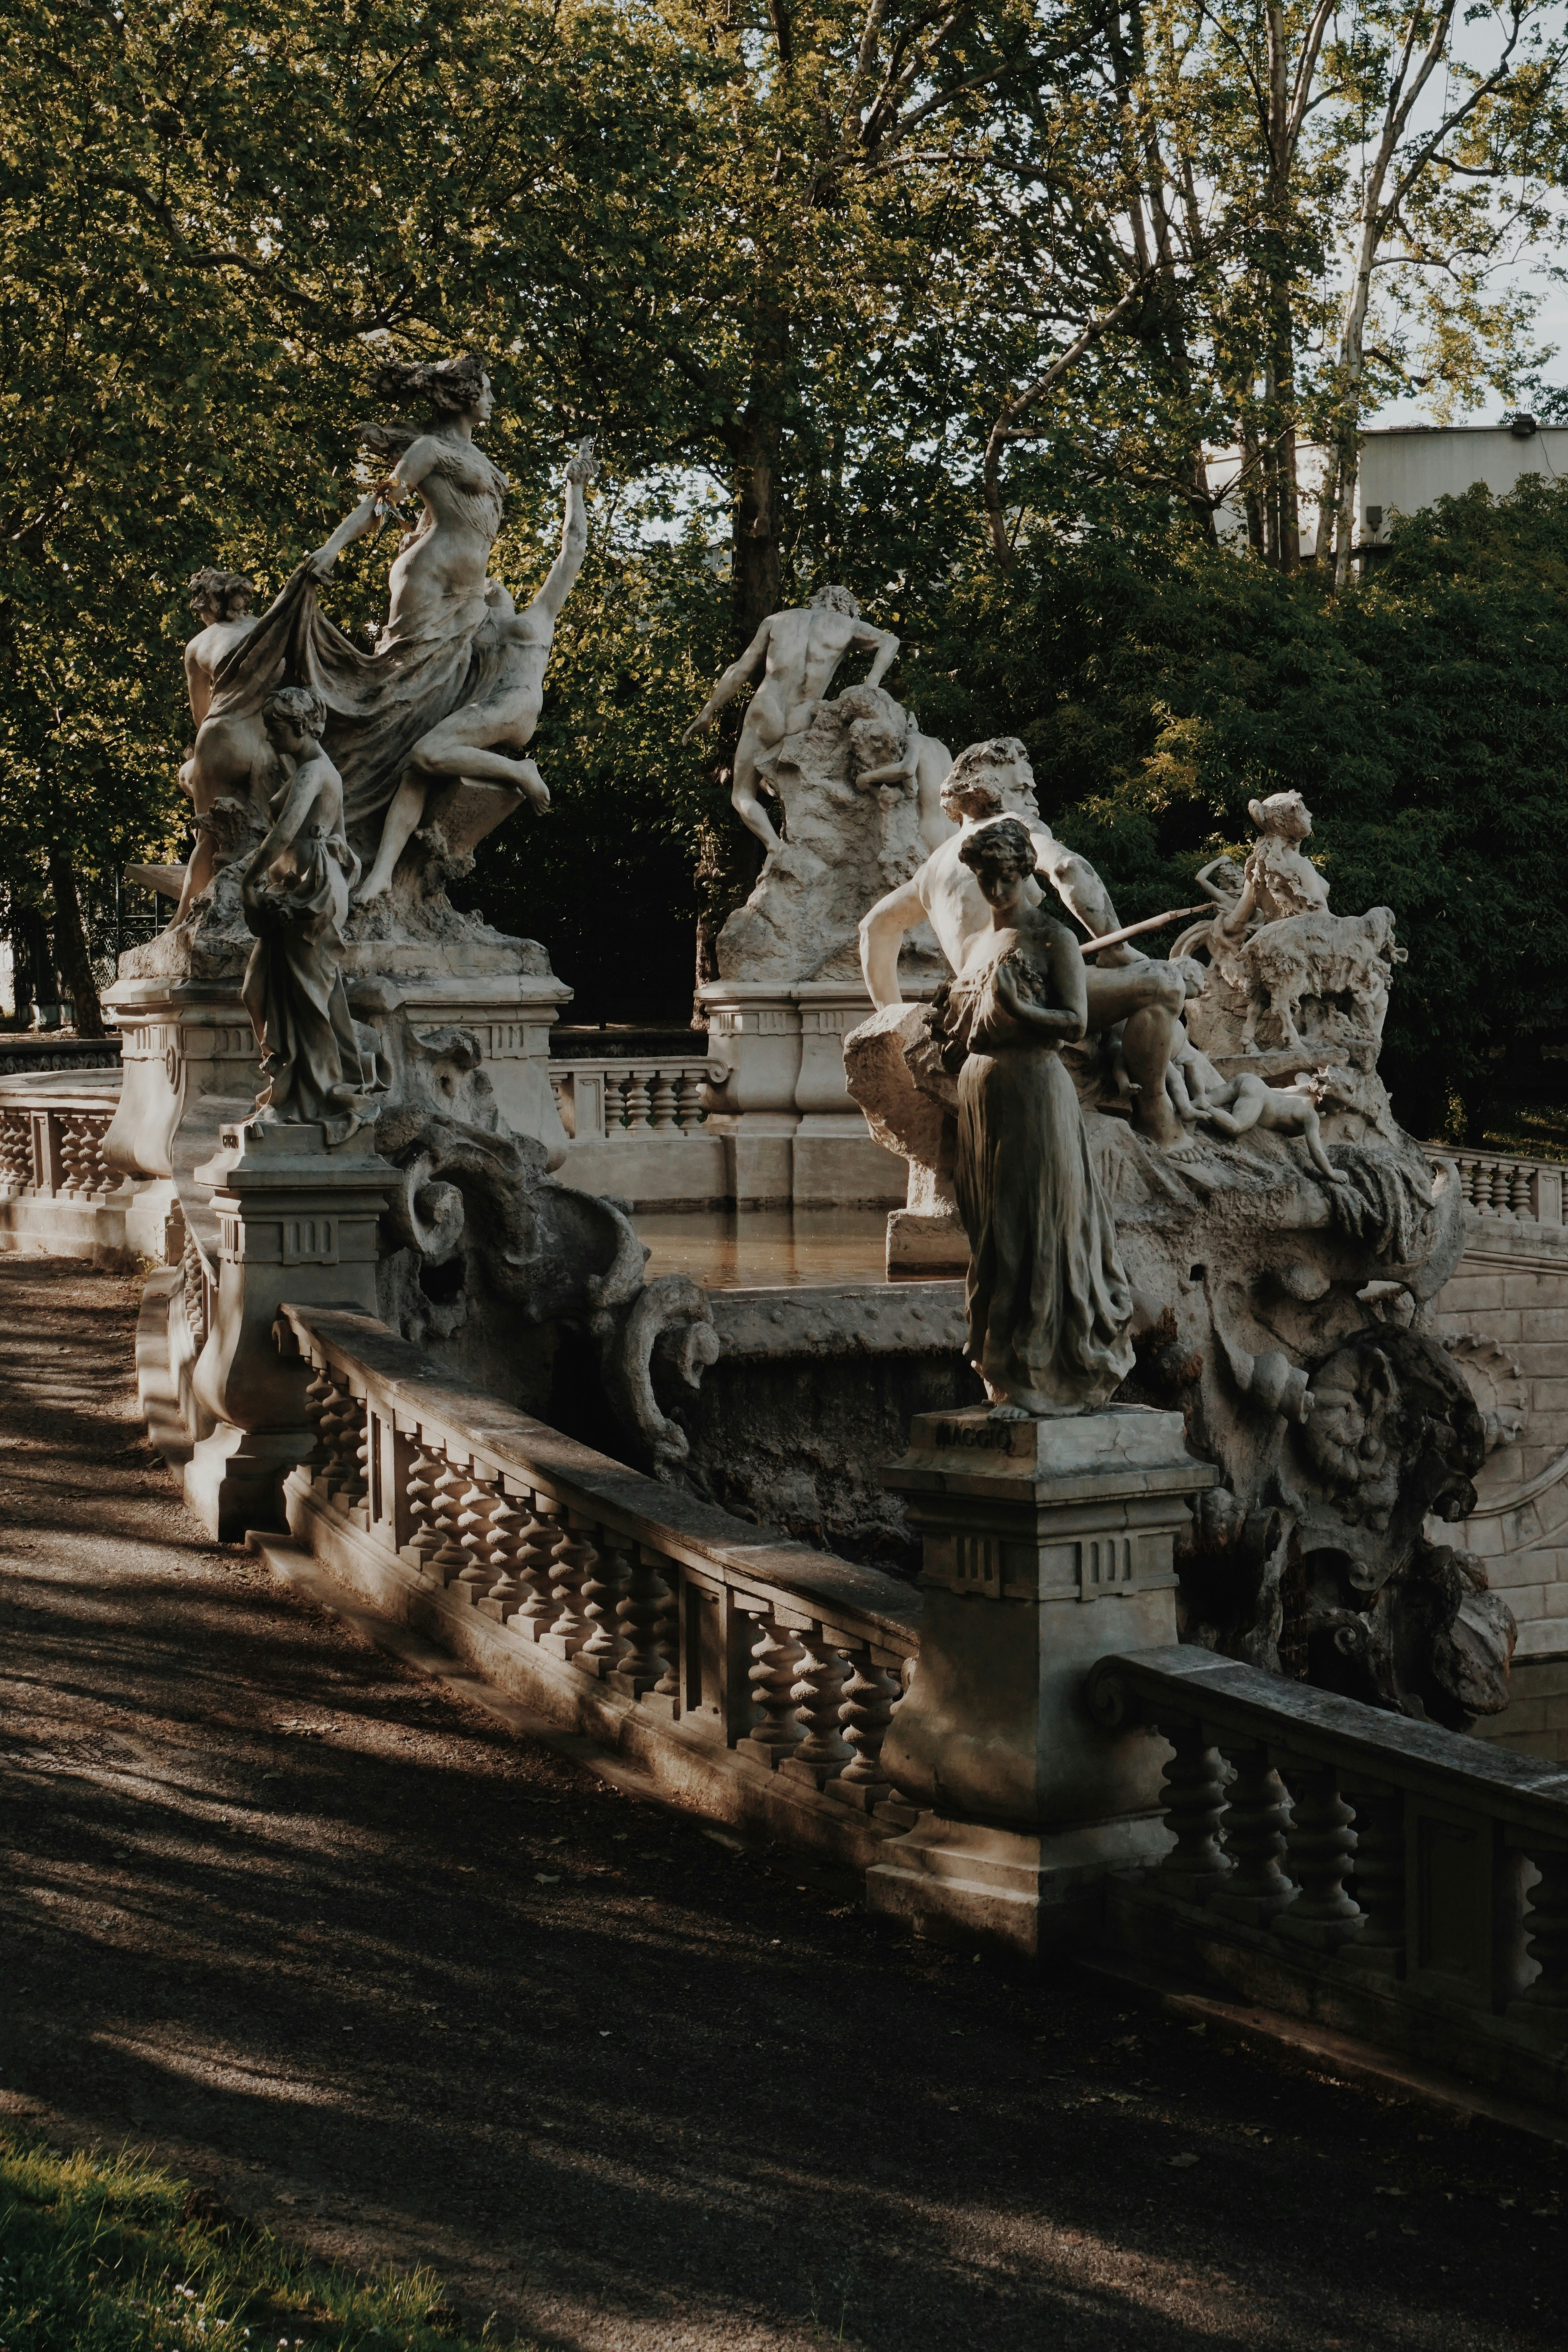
x=1048 y=1302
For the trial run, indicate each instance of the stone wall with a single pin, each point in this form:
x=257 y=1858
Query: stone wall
x=1509 y=1294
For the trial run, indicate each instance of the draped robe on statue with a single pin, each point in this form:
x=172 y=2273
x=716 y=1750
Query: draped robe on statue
x=1049 y=1301
x=379 y=702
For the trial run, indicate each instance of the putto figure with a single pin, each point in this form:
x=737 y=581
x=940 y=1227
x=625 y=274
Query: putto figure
x=295 y=894
x=795 y=654
x=1048 y=1302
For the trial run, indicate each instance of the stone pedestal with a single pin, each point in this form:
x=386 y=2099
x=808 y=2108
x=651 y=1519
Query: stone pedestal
x=1047 y=1544
x=794 y=1136
x=296 y=1221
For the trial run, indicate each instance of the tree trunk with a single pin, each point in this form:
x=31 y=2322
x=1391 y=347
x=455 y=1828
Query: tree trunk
x=71 y=947
x=30 y=959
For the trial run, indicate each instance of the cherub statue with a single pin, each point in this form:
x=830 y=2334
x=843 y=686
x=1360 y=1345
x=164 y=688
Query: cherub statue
x=920 y=764
x=795 y=654
x=295 y=896
x=1248 y=1101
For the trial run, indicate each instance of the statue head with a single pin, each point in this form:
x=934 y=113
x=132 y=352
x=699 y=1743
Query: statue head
x=293 y=713
x=1194 y=975
x=1000 y=856
x=1283 y=814
x=459 y=386
x=837 y=600
x=220 y=595
x=990 y=778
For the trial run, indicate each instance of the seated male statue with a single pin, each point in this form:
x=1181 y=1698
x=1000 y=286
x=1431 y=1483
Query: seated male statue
x=795 y=654
x=986 y=782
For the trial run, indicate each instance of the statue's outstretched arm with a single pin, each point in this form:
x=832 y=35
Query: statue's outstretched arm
x=738 y=674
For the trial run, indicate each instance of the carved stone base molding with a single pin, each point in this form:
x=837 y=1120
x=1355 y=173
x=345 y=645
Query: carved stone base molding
x=1047 y=1544
x=793 y=1135
x=295 y=1222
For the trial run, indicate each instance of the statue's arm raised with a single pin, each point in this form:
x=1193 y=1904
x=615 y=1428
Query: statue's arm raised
x=881 y=935
x=752 y=664
x=562 y=574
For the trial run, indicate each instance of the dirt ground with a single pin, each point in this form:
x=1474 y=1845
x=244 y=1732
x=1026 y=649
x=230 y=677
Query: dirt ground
x=294 y=1920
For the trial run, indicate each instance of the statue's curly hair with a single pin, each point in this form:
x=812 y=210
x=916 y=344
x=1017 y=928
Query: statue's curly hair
x=215 y=592
x=1004 y=845
x=300 y=704
x=441 y=387
x=840 y=599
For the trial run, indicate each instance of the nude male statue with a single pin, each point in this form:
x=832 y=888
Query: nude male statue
x=797 y=654
x=991 y=780
x=484 y=741
x=231 y=754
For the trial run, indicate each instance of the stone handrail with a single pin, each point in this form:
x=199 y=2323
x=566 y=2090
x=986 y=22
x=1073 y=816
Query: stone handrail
x=51 y=1143
x=636 y=1611
x=1504 y=1184
x=615 y=1100
x=1326 y=1844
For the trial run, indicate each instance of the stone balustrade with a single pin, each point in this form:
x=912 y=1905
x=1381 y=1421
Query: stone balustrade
x=51 y=1146
x=1501 y=1184
x=1389 y=1877
x=619 y=1101
x=754 y=1678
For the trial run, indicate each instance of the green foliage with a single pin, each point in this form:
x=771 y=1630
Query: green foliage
x=1160 y=686
x=109 y=2255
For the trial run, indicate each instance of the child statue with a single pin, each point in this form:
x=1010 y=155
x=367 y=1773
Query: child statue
x=295 y=895
x=1049 y=1301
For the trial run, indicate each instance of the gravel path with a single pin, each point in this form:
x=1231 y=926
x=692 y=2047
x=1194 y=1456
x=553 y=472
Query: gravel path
x=302 y=1925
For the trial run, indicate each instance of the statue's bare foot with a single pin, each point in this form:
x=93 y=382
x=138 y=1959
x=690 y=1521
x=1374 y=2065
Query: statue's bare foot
x=1009 y=1413
x=1155 y=1120
x=533 y=784
x=376 y=886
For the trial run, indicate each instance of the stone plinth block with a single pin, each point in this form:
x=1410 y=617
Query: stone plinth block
x=297 y=1222
x=1047 y=1545
x=794 y=1133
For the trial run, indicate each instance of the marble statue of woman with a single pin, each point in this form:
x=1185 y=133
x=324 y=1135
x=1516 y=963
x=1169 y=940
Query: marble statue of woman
x=295 y=894
x=382 y=702
x=1049 y=1301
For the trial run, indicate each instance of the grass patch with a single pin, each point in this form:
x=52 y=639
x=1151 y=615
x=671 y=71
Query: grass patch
x=108 y=2254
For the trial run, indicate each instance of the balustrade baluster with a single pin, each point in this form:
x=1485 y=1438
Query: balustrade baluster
x=1379 y=1880
x=1521 y=1186
x=573 y=1557
x=505 y=1591
x=615 y=1104
x=642 y=1662
x=603 y=1581
x=775 y=1659
x=867 y=1710
x=318 y=1399
x=16 y=1151
x=1542 y=2007
x=474 y=1539
x=1193 y=1803
x=691 y=1112
x=1257 y=1818
x=535 y=1612
x=447 y=1490
x=662 y=1115
x=818 y=1695
x=638 y=1100
x=1320 y=1846
x=424 y=1534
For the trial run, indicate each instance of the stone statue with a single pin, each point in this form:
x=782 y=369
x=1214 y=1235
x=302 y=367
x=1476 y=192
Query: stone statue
x=988 y=780
x=795 y=654
x=1048 y=1303
x=483 y=740
x=230 y=753
x=918 y=764
x=448 y=646
x=295 y=894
